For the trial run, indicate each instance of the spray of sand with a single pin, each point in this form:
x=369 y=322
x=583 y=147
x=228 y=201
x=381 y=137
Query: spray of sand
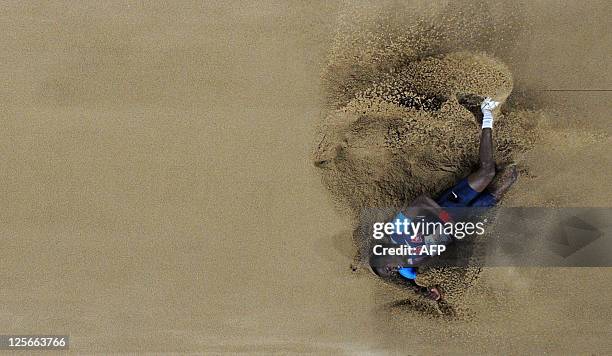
x=395 y=128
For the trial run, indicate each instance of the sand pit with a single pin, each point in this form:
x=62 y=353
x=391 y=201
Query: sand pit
x=159 y=194
x=396 y=127
x=408 y=134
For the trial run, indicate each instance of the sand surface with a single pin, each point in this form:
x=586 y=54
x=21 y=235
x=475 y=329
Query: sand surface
x=159 y=194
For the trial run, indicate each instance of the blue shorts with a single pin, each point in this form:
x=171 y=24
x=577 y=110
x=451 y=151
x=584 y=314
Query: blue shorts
x=462 y=196
x=459 y=196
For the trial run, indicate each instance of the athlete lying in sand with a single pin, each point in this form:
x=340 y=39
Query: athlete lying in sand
x=482 y=188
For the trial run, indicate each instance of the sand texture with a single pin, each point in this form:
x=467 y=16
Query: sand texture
x=159 y=192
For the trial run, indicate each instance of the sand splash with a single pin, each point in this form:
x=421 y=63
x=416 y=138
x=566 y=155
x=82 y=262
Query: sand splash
x=396 y=127
x=408 y=134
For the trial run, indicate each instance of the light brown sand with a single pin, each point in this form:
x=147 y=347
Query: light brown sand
x=404 y=132
x=136 y=137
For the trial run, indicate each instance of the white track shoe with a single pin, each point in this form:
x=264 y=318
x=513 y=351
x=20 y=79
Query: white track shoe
x=489 y=104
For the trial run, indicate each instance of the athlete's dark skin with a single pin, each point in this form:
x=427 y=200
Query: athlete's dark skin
x=478 y=180
x=484 y=177
x=485 y=173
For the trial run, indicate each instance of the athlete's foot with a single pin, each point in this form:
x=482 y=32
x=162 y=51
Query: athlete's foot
x=503 y=181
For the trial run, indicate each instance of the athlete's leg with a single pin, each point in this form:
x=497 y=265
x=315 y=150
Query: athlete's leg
x=503 y=181
x=495 y=190
x=480 y=179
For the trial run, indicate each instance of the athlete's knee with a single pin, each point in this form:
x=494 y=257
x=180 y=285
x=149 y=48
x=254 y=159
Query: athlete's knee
x=487 y=171
x=483 y=176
